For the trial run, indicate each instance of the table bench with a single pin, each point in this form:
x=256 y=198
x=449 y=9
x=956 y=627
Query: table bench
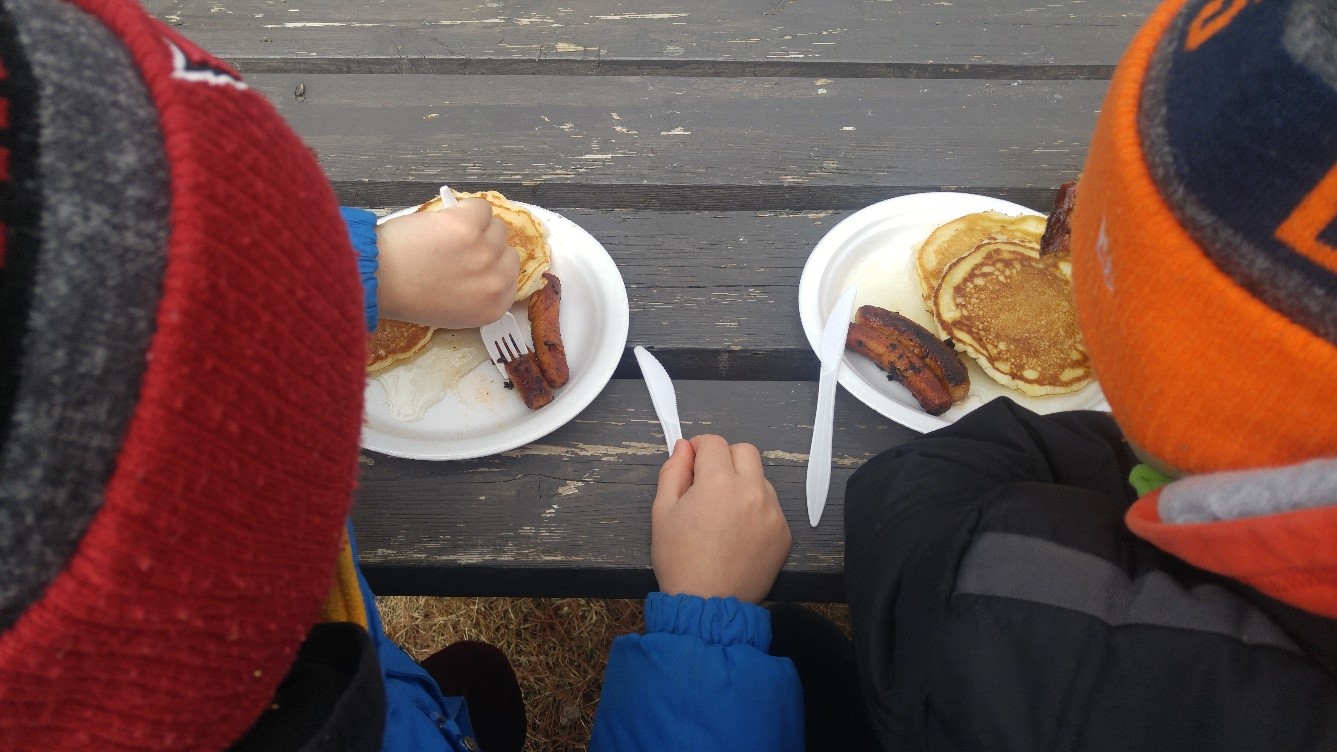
x=708 y=146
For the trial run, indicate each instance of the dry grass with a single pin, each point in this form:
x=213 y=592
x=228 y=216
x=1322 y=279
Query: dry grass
x=558 y=646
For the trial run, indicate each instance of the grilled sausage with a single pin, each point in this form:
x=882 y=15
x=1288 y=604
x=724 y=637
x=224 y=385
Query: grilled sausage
x=545 y=326
x=528 y=380
x=901 y=364
x=943 y=360
x=1058 y=232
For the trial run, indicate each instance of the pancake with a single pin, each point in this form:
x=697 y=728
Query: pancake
x=1014 y=314
x=955 y=239
x=393 y=341
x=524 y=232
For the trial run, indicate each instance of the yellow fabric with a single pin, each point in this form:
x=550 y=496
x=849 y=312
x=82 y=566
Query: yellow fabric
x=344 y=602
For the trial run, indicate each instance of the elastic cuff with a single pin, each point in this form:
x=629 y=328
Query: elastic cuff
x=719 y=621
x=362 y=232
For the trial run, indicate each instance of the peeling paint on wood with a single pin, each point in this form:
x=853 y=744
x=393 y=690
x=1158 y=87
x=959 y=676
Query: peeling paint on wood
x=607 y=452
x=641 y=16
x=869 y=35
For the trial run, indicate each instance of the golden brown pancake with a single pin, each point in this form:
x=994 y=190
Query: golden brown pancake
x=524 y=232
x=955 y=239
x=1014 y=313
x=394 y=340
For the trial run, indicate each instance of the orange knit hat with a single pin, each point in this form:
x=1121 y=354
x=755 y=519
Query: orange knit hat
x=1205 y=235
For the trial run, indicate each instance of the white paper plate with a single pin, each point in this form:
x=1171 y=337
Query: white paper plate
x=874 y=250
x=481 y=417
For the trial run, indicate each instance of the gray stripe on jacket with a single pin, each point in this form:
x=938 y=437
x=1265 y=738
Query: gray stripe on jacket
x=1007 y=565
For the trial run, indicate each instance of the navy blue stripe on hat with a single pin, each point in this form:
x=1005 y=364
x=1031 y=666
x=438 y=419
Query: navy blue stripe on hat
x=20 y=211
x=1239 y=126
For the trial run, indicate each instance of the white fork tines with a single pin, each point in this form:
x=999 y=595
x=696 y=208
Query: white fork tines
x=505 y=341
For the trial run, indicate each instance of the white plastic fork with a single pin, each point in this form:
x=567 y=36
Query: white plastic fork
x=505 y=341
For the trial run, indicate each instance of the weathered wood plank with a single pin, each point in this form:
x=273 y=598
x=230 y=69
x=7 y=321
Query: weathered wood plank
x=707 y=155
x=714 y=293
x=689 y=143
x=569 y=514
x=907 y=38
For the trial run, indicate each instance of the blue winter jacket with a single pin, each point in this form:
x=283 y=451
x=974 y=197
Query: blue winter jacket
x=362 y=231
x=418 y=717
x=699 y=679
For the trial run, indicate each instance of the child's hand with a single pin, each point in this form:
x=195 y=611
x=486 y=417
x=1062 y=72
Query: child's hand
x=716 y=526
x=449 y=268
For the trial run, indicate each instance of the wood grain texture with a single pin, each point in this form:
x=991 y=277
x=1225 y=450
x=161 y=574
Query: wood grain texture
x=569 y=513
x=708 y=146
x=714 y=294
x=688 y=143
x=907 y=38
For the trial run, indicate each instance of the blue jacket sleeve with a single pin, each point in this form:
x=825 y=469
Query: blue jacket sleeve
x=699 y=679
x=418 y=717
x=362 y=231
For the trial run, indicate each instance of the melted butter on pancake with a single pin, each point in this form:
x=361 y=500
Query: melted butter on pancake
x=415 y=386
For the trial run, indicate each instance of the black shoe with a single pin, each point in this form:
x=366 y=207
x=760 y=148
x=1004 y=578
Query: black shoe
x=833 y=707
x=481 y=674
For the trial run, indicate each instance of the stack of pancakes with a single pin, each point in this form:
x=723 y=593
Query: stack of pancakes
x=396 y=340
x=1003 y=302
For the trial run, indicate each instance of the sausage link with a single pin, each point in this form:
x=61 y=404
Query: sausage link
x=528 y=380
x=546 y=327
x=944 y=361
x=1057 y=239
x=901 y=364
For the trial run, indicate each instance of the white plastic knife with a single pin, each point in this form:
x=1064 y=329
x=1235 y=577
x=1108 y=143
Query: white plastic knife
x=662 y=395
x=831 y=352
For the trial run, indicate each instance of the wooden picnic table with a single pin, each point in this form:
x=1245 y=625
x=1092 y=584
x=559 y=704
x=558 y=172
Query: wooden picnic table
x=708 y=146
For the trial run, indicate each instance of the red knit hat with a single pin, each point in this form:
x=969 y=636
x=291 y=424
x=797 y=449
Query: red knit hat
x=181 y=374
x=1204 y=236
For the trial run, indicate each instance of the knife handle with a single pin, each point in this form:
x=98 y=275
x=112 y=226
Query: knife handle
x=819 y=454
x=672 y=433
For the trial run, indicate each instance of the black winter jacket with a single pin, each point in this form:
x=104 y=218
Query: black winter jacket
x=1000 y=603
